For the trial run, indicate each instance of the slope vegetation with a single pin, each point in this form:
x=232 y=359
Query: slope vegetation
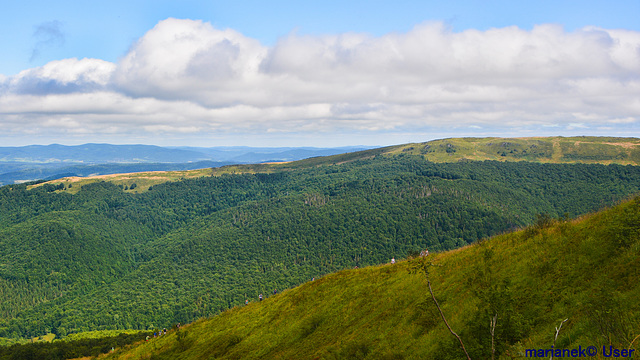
x=583 y=270
x=103 y=255
x=107 y=259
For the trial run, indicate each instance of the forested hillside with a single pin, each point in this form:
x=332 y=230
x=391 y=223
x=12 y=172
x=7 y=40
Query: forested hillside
x=108 y=258
x=567 y=285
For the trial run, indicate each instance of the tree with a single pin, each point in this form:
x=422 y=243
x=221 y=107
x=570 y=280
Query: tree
x=421 y=265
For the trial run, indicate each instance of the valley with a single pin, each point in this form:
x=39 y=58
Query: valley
x=143 y=251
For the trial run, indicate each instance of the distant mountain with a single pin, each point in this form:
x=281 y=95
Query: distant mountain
x=28 y=163
x=107 y=153
x=98 y=154
x=253 y=155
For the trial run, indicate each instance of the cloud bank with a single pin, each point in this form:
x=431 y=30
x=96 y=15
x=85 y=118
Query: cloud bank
x=187 y=77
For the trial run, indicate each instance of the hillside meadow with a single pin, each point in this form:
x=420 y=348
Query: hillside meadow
x=583 y=270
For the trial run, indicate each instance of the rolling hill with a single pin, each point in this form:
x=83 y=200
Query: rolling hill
x=146 y=250
x=582 y=149
x=584 y=271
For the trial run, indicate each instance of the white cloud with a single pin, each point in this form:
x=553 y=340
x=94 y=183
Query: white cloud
x=189 y=59
x=62 y=76
x=187 y=76
x=573 y=126
x=623 y=121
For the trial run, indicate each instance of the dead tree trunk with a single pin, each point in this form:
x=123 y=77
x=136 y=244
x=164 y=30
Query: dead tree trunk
x=556 y=338
x=494 y=320
x=445 y=320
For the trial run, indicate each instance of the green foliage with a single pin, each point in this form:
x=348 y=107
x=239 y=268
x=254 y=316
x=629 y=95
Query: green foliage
x=386 y=312
x=106 y=259
x=69 y=349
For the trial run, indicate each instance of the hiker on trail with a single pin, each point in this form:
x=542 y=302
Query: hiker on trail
x=393 y=260
x=246 y=302
x=275 y=291
x=260 y=297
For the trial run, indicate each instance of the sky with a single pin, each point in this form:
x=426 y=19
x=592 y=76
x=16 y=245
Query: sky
x=316 y=73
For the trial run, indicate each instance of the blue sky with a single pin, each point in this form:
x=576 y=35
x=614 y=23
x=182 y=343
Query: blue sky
x=67 y=64
x=106 y=29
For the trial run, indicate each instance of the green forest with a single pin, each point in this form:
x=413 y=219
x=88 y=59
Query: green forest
x=563 y=284
x=103 y=258
x=71 y=347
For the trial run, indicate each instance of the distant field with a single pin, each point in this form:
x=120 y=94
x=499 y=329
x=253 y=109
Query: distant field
x=130 y=182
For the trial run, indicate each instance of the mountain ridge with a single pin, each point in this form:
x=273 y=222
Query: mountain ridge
x=560 y=150
x=98 y=153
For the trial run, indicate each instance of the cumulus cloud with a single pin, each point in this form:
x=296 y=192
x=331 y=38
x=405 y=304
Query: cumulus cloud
x=187 y=76
x=188 y=59
x=63 y=76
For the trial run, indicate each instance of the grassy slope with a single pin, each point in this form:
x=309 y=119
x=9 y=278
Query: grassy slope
x=583 y=149
x=585 y=271
x=591 y=150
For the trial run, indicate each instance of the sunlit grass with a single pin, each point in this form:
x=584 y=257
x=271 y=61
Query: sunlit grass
x=585 y=271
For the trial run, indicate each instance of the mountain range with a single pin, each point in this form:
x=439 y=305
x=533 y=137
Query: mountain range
x=28 y=163
x=147 y=250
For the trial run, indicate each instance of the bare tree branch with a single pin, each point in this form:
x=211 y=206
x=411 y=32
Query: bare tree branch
x=494 y=320
x=557 y=332
x=444 y=319
x=634 y=340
